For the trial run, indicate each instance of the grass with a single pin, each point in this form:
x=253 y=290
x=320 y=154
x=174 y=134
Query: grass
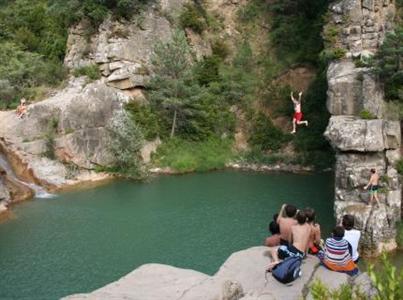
x=188 y=156
x=91 y=71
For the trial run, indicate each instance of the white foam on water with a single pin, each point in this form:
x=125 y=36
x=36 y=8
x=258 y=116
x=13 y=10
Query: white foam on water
x=40 y=192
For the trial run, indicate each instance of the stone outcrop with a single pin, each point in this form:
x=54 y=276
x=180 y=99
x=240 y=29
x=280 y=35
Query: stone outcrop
x=240 y=277
x=361 y=25
x=362 y=144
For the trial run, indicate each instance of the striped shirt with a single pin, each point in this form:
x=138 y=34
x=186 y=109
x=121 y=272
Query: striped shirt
x=336 y=252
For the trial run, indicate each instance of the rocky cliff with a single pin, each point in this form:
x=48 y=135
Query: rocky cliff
x=240 y=277
x=73 y=121
x=362 y=144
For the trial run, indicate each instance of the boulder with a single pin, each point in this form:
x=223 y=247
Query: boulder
x=352 y=90
x=348 y=133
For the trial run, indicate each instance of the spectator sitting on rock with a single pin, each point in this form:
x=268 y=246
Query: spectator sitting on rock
x=337 y=254
x=314 y=240
x=299 y=236
x=274 y=228
x=286 y=220
x=21 y=109
x=351 y=235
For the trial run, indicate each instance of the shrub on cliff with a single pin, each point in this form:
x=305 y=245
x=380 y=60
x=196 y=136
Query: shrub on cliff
x=125 y=145
x=389 y=64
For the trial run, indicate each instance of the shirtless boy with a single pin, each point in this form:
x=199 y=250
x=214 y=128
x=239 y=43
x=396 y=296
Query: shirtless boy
x=286 y=220
x=300 y=235
x=297 y=119
x=373 y=185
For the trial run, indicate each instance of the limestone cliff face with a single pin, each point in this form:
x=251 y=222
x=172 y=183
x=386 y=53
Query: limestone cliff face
x=363 y=144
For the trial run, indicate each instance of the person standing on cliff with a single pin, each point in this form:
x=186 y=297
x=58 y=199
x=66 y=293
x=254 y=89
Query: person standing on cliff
x=373 y=185
x=297 y=118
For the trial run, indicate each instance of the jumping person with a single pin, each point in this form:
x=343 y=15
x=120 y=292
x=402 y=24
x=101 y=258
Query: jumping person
x=373 y=185
x=297 y=119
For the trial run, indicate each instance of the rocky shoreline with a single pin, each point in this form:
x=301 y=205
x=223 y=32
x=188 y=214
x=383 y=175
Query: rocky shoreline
x=242 y=276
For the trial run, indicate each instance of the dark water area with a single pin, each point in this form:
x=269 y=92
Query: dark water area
x=82 y=240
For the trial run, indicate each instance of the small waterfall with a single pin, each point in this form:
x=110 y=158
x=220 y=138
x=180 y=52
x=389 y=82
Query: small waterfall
x=40 y=192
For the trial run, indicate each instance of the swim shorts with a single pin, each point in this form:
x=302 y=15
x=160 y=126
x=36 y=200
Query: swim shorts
x=373 y=188
x=289 y=251
x=298 y=116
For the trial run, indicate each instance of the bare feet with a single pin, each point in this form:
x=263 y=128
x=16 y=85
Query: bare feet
x=271 y=266
x=292 y=132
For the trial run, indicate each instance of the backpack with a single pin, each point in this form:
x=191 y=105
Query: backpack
x=288 y=270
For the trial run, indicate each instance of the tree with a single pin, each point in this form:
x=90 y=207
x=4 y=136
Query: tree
x=389 y=64
x=126 y=143
x=173 y=87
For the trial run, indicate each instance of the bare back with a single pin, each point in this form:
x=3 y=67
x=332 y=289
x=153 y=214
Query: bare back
x=301 y=235
x=285 y=227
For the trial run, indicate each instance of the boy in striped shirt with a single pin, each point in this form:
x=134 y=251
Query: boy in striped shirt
x=337 y=254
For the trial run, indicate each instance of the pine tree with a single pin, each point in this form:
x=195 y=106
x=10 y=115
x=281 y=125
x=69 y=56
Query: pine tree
x=173 y=88
x=389 y=64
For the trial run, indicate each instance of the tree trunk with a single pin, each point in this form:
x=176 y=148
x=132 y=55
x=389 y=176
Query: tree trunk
x=173 y=125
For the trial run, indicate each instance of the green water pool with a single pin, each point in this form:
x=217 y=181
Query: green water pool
x=82 y=240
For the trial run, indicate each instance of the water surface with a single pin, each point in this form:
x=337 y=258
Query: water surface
x=83 y=240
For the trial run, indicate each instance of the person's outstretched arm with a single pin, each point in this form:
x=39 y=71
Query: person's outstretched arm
x=280 y=214
x=299 y=96
x=292 y=98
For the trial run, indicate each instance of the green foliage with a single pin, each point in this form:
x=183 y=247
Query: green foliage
x=251 y=10
x=207 y=70
x=389 y=64
x=21 y=70
x=265 y=136
x=193 y=17
x=220 y=49
x=91 y=71
x=296 y=27
x=367 y=115
x=145 y=118
x=399 y=166
x=187 y=156
x=72 y=11
x=51 y=131
x=344 y=292
x=387 y=281
x=126 y=142
x=394 y=110
x=186 y=97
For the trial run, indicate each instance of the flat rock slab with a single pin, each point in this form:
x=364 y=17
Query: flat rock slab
x=242 y=276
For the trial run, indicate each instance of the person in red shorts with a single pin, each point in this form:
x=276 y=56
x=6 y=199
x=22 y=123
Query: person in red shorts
x=297 y=119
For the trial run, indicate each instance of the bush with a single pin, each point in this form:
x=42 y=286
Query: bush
x=399 y=166
x=265 y=136
x=126 y=143
x=367 y=115
x=192 y=17
x=91 y=71
x=187 y=156
x=207 y=70
x=51 y=131
x=146 y=118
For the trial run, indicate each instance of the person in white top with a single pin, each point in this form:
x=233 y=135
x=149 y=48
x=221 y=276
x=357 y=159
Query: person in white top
x=351 y=235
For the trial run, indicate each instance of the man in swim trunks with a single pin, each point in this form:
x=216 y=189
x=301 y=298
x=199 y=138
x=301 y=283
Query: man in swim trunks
x=286 y=220
x=373 y=186
x=297 y=119
x=300 y=235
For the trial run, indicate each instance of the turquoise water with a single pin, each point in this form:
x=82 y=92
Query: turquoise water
x=83 y=240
